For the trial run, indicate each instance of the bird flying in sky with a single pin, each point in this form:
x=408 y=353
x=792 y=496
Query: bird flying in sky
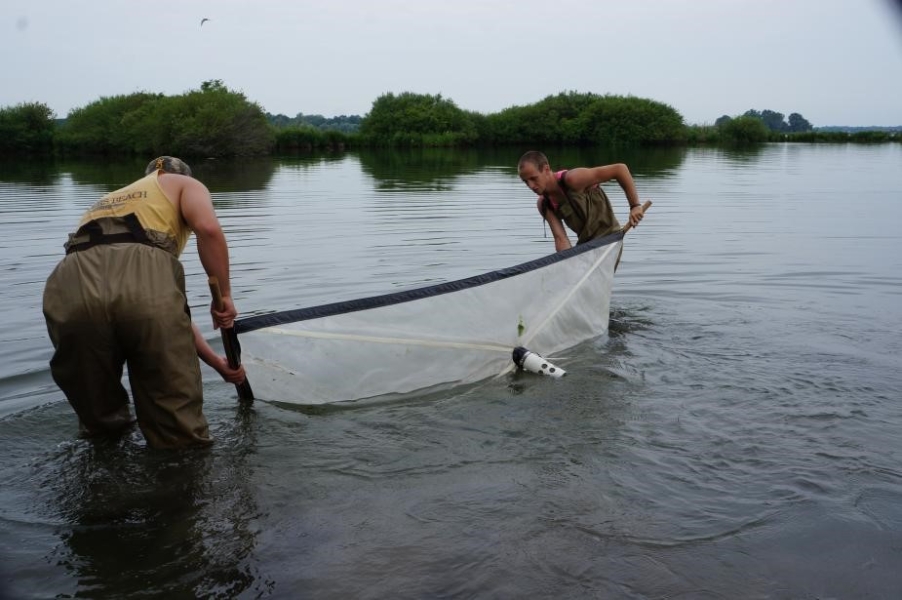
x=204 y=20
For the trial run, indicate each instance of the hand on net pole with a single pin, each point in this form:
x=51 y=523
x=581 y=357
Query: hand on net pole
x=230 y=344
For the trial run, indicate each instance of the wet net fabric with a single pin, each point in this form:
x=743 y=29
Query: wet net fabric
x=434 y=337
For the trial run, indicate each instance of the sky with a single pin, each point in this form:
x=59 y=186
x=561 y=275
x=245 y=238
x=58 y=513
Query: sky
x=836 y=62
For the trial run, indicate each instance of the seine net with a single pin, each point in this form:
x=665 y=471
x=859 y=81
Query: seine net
x=432 y=337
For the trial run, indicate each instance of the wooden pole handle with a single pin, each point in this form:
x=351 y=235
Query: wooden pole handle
x=645 y=206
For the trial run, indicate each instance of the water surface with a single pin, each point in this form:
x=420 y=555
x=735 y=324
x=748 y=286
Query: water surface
x=735 y=435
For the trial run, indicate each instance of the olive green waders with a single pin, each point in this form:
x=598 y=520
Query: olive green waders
x=125 y=303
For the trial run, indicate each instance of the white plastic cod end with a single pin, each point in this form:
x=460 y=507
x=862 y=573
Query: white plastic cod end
x=534 y=363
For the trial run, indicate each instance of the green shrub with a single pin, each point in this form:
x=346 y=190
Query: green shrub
x=586 y=119
x=745 y=130
x=414 y=120
x=26 y=128
x=212 y=121
x=703 y=134
x=305 y=137
x=98 y=128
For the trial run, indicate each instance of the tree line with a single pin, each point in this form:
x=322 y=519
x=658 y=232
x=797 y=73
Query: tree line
x=214 y=121
x=210 y=121
x=342 y=123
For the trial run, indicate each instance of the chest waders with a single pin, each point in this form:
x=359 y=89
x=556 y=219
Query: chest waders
x=588 y=213
x=118 y=297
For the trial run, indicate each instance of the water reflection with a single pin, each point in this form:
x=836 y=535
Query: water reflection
x=742 y=155
x=422 y=168
x=108 y=173
x=184 y=517
x=417 y=168
x=649 y=162
x=436 y=168
x=741 y=416
x=34 y=171
x=219 y=175
x=309 y=159
x=234 y=175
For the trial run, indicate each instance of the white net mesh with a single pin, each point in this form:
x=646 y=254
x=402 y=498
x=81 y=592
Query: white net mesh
x=450 y=334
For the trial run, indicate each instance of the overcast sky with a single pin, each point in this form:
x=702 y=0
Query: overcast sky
x=837 y=62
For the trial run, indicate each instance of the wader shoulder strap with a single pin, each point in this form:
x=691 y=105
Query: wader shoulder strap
x=568 y=209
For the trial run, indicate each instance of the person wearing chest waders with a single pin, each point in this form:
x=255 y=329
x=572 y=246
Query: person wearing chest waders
x=118 y=297
x=575 y=198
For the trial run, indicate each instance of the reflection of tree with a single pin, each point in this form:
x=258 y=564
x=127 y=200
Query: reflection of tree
x=741 y=155
x=234 y=174
x=219 y=175
x=105 y=172
x=168 y=524
x=736 y=154
x=309 y=160
x=436 y=168
x=417 y=168
x=656 y=162
x=34 y=170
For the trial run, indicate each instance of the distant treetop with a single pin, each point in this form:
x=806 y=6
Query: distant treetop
x=342 y=123
x=773 y=120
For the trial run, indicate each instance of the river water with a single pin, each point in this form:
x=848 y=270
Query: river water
x=736 y=435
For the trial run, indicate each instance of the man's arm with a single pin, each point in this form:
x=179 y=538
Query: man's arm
x=197 y=210
x=583 y=178
x=561 y=240
x=220 y=363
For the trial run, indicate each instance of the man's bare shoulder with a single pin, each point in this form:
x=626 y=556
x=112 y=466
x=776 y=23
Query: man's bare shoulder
x=579 y=178
x=181 y=184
